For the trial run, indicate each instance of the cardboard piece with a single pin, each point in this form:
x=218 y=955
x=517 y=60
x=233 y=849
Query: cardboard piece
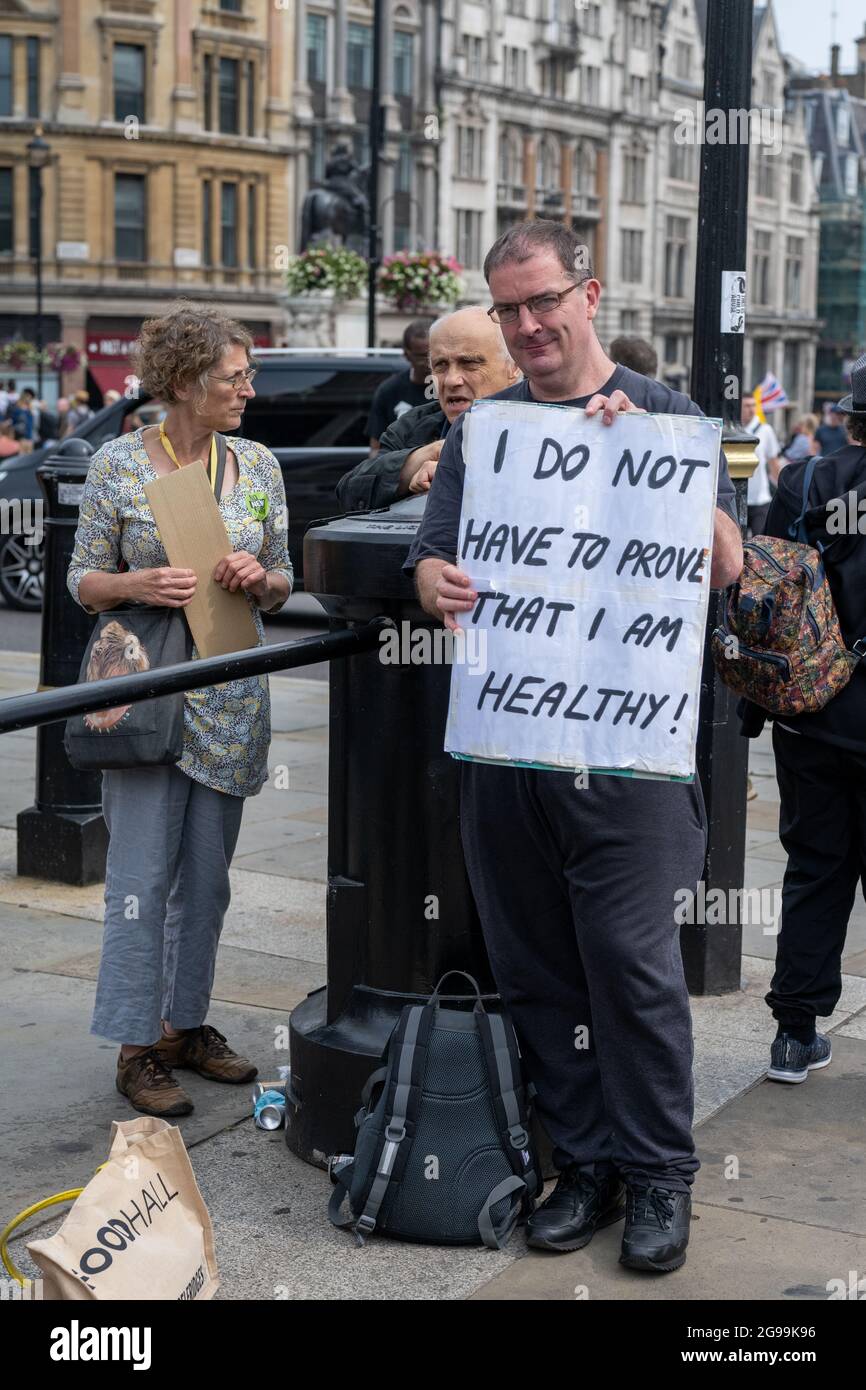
x=194 y=536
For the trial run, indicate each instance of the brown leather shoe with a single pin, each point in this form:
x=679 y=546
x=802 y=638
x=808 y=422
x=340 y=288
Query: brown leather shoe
x=150 y=1086
x=206 y=1051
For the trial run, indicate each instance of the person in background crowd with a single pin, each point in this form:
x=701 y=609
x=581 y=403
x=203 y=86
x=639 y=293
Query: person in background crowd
x=23 y=418
x=803 y=444
x=820 y=765
x=79 y=411
x=403 y=390
x=48 y=424
x=759 y=493
x=62 y=415
x=8 y=397
x=575 y=890
x=468 y=359
x=9 y=445
x=636 y=354
x=111 y=397
x=831 y=434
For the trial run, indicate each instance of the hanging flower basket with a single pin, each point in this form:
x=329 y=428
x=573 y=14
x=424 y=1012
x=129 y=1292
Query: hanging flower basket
x=326 y=267
x=411 y=280
x=19 y=354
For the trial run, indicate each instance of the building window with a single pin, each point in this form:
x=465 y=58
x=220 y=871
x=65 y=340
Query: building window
x=511 y=163
x=632 y=257
x=549 y=173
x=851 y=172
x=843 y=124
x=760 y=360
x=676 y=250
x=207 y=92
x=592 y=20
x=768 y=88
x=554 y=76
x=229 y=224
x=765 y=178
x=403 y=168
x=129 y=81
x=516 y=8
x=229 y=95
x=33 y=78
x=793 y=271
x=470 y=152
x=404 y=64
x=682 y=60
x=33 y=192
x=681 y=163
x=590 y=86
x=130 y=217
x=317 y=154
x=629 y=321
x=250 y=72
x=206 y=222
x=232 y=6
x=639 y=93
x=795 y=191
x=317 y=48
x=761 y=267
x=5 y=75
x=634 y=178
x=469 y=239
x=474 y=49
x=359 y=68
x=252 y=228
x=514 y=64
x=640 y=31
x=6 y=219
x=791 y=376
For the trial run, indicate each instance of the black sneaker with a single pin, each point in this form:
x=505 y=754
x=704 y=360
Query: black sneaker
x=656 y=1228
x=574 y=1211
x=792 y=1061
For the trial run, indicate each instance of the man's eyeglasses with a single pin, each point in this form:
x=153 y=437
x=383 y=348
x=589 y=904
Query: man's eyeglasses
x=238 y=380
x=536 y=304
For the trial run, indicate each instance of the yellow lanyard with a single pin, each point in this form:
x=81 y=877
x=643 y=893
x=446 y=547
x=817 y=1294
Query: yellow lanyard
x=166 y=444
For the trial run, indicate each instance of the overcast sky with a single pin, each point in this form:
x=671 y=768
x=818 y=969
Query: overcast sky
x=806 y=30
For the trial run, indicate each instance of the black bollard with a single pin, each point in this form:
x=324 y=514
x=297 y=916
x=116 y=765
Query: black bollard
x=399 y=910
x=62 y=836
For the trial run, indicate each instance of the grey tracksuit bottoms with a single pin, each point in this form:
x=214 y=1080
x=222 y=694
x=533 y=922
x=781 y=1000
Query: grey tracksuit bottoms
x=166 y=894
x=575 y=889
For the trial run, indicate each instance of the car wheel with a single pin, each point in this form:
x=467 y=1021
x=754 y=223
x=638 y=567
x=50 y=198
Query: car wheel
x=21 y=573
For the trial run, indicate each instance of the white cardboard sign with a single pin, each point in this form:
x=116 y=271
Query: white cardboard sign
x=589 y=546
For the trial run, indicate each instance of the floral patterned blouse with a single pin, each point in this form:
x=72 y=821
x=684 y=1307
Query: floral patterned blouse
x=227 y=728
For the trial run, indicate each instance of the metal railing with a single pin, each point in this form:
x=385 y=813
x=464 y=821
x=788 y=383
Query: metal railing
x=47 y=706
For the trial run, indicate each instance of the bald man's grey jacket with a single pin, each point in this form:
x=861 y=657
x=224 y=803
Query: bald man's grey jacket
x=373 y=483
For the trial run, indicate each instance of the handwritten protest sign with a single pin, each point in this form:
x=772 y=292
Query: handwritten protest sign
x=588 y=545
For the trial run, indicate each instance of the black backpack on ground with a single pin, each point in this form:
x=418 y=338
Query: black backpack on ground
x=444 y=1152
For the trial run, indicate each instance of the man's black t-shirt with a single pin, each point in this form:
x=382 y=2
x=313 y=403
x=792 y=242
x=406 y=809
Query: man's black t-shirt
x=396 y=395
x=439 y=530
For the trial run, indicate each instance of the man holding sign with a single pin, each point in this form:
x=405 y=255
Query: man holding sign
x=575 y=877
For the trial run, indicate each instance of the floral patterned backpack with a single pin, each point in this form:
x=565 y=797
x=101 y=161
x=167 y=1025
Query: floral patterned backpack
x=780 y=643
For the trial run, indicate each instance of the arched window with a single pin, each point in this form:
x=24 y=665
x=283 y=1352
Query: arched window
x=584 y=167
x=511 y=159
x=548 y=174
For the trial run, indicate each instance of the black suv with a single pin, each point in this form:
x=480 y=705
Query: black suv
x=310 y=409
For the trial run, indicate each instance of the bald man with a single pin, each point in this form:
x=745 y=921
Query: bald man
x=468 y=360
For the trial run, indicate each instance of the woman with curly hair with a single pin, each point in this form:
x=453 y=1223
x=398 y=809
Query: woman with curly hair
x=173 y=829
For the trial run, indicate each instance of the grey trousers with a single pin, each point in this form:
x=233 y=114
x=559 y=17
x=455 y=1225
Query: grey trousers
x=576 y=889
x=166 y=894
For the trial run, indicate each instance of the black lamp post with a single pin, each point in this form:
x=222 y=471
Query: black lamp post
x=38 y=154
x=711 y=954
x=373 y=184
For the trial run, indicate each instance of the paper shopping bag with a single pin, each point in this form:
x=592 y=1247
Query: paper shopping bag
x=139 y=1230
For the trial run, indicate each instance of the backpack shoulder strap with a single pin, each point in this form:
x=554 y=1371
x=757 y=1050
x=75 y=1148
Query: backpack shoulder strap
x=506 y=1087
x=797 y=529
x=409 y=1056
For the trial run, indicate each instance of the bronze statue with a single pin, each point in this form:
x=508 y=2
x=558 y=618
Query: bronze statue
x=338 y=211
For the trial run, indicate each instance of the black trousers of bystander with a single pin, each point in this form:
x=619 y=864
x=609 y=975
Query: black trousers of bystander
x=575 y=888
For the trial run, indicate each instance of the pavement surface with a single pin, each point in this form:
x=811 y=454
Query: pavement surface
x=779 y=1203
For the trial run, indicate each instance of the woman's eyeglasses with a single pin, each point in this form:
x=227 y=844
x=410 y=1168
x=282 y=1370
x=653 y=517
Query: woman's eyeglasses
x=238 y=380
x=536 y=304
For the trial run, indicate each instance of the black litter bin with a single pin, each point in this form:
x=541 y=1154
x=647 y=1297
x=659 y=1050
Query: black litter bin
x=399 y=910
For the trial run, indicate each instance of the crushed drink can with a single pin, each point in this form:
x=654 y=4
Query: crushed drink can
x=270 y=1109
